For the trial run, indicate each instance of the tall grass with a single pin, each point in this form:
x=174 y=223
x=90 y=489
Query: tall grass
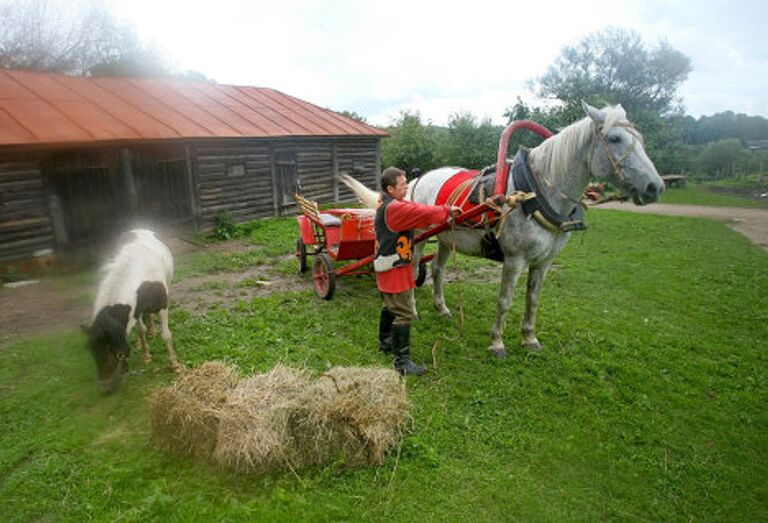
x=648 y=402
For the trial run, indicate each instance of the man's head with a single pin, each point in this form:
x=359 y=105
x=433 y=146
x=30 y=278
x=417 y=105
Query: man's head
x=394 y=183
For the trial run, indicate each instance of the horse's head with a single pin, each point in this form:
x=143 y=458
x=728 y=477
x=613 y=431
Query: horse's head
x=619 y=157
x=108 y=343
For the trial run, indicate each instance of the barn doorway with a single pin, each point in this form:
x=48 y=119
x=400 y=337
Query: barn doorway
x=163 y=194
x=287 y=175
x=87 y=196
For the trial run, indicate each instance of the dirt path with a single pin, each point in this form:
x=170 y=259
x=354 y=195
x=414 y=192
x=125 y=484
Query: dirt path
x=752 y=223
x=59 y=303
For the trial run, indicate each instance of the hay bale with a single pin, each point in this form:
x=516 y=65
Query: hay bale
x=352 y=414
x=254 y=433
x=184 y=416
x=281 y=419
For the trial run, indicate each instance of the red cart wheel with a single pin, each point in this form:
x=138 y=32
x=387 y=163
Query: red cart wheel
x=421 y=276
x=324 y=276
x=301 y=254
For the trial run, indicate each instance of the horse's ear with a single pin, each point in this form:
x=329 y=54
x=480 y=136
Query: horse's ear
x=596 y=115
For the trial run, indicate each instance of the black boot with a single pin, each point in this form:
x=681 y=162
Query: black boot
x=385 y=330
x=401 y=346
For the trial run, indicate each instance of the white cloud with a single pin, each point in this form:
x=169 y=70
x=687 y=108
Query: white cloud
x=378 y=58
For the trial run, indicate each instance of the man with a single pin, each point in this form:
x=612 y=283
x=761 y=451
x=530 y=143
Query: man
x=395 y=221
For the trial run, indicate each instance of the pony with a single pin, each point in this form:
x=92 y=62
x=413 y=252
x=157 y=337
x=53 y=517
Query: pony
x=603 y=146
x=133 y=284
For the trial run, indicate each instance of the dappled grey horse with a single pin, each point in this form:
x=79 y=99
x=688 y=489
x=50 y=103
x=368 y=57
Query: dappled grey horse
x=604 y=146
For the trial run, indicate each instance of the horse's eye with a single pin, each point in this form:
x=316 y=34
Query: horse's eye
x=614 y=138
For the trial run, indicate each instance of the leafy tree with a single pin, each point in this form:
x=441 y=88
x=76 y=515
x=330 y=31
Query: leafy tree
x=469 y=144
x=722 y=158
x=71 y=38
x=411 y=144
x=552 y=119
x=353 y=115
x=614 y=66
x=729 y=125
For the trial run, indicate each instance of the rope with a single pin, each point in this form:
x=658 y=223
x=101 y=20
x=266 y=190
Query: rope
x=456 y=274
x=511 y=202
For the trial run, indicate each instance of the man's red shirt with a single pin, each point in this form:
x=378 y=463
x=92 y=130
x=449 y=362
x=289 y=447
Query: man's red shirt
x=403 y=216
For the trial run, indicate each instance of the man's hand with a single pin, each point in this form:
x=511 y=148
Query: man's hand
x=453 y=212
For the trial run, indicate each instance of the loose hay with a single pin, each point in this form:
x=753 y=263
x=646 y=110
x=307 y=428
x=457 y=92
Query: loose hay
x=184 y=416
x=282 y=419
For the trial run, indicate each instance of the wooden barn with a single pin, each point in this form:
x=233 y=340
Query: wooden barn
x=84 y=158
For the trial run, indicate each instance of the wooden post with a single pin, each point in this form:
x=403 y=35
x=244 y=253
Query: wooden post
x=192 y=187
x=377 y=174
x=130 y=184
x=335 y=159
x=273 y=171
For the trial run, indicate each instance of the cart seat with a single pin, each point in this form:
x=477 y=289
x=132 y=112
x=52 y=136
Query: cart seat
x=329 y=220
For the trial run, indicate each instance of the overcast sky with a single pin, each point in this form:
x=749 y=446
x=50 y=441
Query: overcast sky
x=377 y=58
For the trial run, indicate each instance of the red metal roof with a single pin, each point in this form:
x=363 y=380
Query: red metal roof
x=43 y=108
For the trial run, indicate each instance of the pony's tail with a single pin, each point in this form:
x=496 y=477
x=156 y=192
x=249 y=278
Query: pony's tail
x=366 y=196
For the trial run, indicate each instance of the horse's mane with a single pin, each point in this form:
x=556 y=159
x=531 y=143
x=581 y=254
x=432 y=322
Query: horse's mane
x=554 y=154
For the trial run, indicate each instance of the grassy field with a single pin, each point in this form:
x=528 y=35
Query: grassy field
x=718 y=194
x=648 y=402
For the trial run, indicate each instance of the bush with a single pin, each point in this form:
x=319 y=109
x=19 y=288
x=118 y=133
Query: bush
x=225 y=228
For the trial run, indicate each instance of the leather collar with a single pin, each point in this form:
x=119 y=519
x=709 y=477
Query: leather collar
x=538 y=207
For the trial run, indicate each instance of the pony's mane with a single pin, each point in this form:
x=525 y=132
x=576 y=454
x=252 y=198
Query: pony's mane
x=553 y=154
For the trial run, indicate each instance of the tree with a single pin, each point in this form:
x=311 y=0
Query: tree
x=552 y=119
x=729 y=125
x=721 y=159
x=614 y=66
x=72 y=38
x=353 y=115
x=470 y=144
x=411 y=144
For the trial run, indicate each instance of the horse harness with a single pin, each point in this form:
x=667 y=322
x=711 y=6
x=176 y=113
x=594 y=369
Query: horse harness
x=528 y=190
x=538 y=206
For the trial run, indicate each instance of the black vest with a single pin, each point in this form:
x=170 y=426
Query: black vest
x=393 y=249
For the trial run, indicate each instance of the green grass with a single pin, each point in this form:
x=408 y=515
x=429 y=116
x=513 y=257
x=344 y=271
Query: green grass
x=706 y=194
x=268 y=239
x=648 y=402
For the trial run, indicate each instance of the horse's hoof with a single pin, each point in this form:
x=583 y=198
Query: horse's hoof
x=148 y=360
x=175 y=367
x=532 y=346
x=499 y=353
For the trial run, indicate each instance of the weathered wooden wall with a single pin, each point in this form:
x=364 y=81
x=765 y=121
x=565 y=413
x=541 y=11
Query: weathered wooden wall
x=359 y=158
x=256 y=191
x=75 y=197
x=243 y=196
x=25 y=224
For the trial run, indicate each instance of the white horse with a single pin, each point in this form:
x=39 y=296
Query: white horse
x=603 y=146
x=134 y=283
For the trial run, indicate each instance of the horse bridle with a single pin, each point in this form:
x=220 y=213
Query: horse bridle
x=617 y=163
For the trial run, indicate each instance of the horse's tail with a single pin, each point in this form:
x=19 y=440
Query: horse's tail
x=367 y=197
